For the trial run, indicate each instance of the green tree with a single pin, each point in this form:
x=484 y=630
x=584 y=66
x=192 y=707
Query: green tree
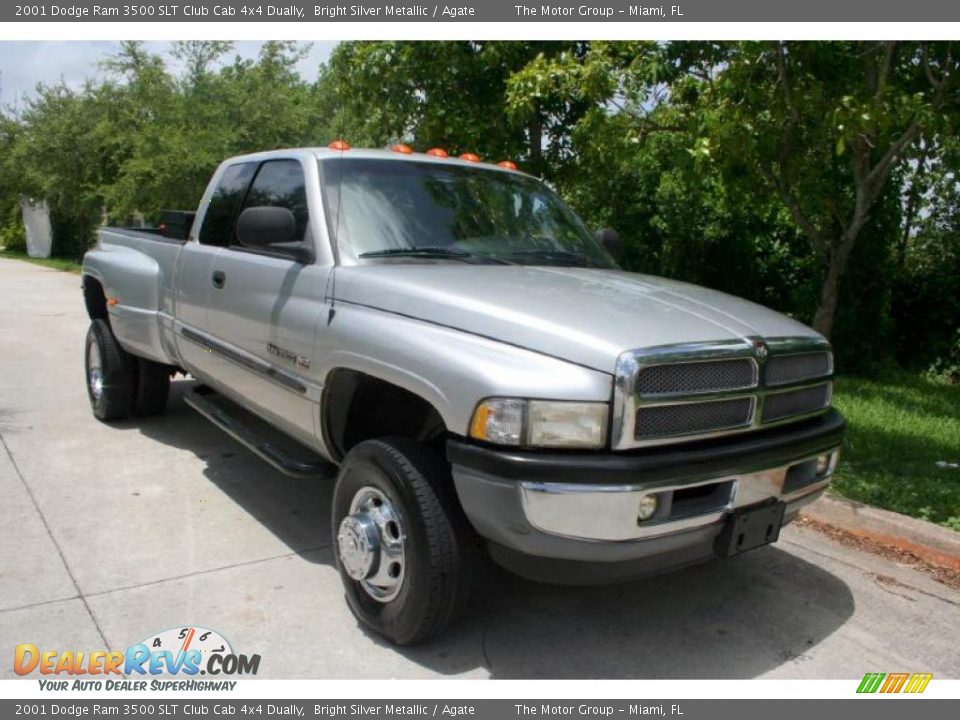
x=59 y=156
x=11 y=228
x=820 y=126
x=176 y=130
x=927 y=289
x=448 y=94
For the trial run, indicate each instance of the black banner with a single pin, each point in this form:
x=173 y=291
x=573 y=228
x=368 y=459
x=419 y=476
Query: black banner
x=486 y=11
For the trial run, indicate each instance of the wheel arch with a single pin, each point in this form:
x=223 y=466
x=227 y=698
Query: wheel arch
x=94 y=298
x=358 y=405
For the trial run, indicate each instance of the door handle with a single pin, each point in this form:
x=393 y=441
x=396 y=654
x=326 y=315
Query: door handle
x=219 y=278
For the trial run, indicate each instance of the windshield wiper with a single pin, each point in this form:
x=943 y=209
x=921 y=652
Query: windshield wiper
x=554 y=255
x=427 y=251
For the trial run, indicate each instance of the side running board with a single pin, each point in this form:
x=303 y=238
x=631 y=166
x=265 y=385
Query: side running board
x=204 y=401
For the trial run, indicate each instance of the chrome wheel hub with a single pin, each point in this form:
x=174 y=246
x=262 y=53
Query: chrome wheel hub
x=95 y=371
x=358 y=540
x=370 y=544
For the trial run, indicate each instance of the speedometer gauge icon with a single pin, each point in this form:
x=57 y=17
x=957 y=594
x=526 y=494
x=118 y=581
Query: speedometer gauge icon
x=184 y=639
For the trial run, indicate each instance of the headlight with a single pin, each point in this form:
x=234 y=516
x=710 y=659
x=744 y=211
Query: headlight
x=540 y=423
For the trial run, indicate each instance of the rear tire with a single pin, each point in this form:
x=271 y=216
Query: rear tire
x=406 y=553
x=110 y=374
x=153 y=387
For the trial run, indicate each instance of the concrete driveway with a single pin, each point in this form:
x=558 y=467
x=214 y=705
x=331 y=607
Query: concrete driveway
x=112 y=533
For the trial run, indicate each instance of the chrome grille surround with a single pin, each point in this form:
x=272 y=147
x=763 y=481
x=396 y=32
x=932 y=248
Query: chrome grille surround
x=632 y=388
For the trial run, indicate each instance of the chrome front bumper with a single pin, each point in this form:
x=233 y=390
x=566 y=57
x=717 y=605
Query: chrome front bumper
x=560 y=516
x=610 y=512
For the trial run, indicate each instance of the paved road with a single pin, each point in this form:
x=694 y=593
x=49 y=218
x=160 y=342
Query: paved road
x=111 y=533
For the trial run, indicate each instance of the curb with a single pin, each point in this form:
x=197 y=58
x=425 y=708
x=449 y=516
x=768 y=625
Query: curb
x=933 y=543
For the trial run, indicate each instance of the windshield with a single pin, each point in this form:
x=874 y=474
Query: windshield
x=414 y=211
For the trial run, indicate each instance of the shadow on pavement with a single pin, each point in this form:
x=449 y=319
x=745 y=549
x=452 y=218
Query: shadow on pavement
x=725 y=619
x=296 y=510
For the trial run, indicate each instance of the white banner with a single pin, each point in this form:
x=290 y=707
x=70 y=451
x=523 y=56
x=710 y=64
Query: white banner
x=36 y=221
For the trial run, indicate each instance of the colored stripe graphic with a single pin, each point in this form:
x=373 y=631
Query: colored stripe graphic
x=870 y=682
x=894 y=682
x=918 y=682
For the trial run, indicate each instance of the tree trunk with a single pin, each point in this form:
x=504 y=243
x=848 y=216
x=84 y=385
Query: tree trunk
x=827 y=309
x=535 y=131
x=830 y=288
x=913 y=205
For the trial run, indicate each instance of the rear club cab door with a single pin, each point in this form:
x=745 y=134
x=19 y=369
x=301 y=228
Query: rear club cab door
x=265 y=307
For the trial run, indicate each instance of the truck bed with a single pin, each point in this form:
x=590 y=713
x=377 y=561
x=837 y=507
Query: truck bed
x=136 y=268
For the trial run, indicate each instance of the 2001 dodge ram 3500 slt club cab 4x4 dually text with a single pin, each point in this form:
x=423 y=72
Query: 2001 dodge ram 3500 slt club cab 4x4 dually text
x=487 y=379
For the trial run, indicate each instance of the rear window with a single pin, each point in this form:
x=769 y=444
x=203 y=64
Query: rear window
x=218 y=221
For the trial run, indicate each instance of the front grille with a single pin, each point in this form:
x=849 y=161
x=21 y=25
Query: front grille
x=678 y=393
x=795 y=402
x=697 y=377
x=784 y=369
x=692 y=418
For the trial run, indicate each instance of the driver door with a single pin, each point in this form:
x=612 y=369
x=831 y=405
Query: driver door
x=265 y=308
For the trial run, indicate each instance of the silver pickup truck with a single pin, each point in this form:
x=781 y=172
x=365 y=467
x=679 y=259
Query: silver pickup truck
x=488 y=381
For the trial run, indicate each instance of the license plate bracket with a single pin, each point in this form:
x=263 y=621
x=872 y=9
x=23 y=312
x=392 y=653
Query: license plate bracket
x=749 y=528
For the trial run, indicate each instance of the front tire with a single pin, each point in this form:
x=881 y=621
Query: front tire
x=405 y=551
x=110 y=374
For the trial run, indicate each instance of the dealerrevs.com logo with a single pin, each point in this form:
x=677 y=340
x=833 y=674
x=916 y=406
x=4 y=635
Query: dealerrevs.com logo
x=185 y=652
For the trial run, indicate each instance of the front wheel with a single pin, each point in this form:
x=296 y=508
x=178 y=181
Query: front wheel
x=405 y=551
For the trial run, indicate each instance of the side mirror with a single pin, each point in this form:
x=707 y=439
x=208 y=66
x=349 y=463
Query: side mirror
x=272 y=228
x=610 y=239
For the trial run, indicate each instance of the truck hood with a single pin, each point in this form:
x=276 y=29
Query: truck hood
x=581 y=315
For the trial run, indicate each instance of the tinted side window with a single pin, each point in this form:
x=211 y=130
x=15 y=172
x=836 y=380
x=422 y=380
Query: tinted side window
x=224 y=203
x=281 y=183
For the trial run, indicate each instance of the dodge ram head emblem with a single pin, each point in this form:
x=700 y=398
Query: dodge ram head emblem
x=760 y=350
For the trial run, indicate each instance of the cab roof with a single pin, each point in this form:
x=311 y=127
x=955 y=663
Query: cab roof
x=372 y=154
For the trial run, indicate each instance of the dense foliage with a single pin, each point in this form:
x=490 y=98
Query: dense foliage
x=817 y=178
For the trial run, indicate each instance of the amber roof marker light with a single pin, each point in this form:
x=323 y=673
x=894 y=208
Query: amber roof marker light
x=437 y=152
x=470 y=157
x=507 y=165
x=339 y=145
x=402 y=149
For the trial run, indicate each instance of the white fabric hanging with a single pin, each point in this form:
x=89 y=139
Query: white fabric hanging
x=36 y=221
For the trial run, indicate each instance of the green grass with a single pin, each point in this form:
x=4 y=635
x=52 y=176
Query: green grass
x=54 y=263
x=899 y=427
